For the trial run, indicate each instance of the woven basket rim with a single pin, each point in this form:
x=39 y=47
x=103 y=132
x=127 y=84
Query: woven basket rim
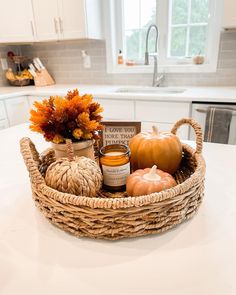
x=125 y=202
x=31 y=158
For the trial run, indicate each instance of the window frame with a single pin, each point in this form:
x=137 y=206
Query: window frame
x=187 y=25
x=113 y=24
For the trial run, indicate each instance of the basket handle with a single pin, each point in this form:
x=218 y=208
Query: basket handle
x=197 y=128
x=31 y=159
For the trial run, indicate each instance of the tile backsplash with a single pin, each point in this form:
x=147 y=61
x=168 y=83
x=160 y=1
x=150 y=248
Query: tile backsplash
x=64 y=62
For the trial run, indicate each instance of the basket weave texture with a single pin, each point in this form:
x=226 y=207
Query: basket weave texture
x=23 y=82
x=114 y=216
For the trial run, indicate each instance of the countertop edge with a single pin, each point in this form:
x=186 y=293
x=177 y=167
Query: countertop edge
x=192 y=94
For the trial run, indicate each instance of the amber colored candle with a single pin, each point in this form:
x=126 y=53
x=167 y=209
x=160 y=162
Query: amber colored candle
x=115 y=165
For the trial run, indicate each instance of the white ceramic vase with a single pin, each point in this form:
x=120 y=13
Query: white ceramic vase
x=81 y=148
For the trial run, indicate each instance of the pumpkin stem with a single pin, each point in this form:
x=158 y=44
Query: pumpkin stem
x=152 y=175
x=154 y=130
x=70 y=151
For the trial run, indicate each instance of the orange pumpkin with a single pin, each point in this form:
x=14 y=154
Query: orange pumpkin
x=147 y=181
x=163 y=149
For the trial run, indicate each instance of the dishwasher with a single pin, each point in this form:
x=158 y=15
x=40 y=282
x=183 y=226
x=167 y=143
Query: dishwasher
x=199 y=111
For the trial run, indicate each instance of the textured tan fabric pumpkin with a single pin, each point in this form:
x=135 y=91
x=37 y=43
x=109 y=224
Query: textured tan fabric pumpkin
x=78 y=176
x=147 y=181
x=163 y=149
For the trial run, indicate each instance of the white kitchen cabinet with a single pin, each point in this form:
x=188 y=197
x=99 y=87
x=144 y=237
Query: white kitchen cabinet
x=3 y=114
x=16 y=21
x=46 y=19
x=162 y=114
x=67 y=19
x=159 y=111
x=4 y=124
x=32 y=99
x=113 y=109
x=229 y=15
x=117 y=109
x=17 y=110
x=71 y=26
x=183 y=131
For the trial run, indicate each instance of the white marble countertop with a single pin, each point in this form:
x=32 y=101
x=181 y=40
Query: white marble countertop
x=202 y=94
x=36 y=258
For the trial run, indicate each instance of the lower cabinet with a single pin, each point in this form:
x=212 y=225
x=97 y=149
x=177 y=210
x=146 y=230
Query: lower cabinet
x=17 y=110
x=114 y=109
x=4 y=124
x=32 y=99
x=160 y=113
x=117 y=109
x=163 y=115
x=3 y=114
x=183 y=132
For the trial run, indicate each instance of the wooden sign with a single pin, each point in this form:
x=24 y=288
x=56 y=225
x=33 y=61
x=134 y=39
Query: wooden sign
x=119 y=132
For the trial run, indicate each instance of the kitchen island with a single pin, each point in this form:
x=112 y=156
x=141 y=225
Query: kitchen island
x=197 y=257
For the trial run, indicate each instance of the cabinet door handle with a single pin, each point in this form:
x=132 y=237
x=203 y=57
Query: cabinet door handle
x=61 y=25
x=55 y=25
x=32 y=27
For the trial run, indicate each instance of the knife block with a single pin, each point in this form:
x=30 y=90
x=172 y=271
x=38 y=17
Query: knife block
x=43 y=78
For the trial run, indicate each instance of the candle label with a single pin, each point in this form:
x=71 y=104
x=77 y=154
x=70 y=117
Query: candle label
x=115 y=176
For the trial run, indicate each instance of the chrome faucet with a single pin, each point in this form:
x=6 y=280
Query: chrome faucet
x=157 y=79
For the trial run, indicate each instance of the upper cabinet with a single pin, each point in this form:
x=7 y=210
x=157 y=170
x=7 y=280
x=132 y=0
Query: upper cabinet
x=50 y=20
x=46 y=19
x=229 y=16
x=72 y=19
x=67 y=19
x=16 y=22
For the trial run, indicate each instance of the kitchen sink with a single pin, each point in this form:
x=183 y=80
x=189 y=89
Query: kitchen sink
x=151 y=90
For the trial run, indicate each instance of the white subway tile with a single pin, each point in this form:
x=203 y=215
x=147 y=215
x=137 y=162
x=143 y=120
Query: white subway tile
x=64 y=62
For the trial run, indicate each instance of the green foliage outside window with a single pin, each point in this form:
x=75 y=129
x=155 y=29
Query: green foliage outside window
x=135 y=40
x=191 y=28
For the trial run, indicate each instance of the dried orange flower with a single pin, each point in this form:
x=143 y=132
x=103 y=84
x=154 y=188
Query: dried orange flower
x=72 y=117
x=58 y=139
x=88 y=135
x=77 y=133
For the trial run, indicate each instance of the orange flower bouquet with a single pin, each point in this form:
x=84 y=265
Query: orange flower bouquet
x=72 y=117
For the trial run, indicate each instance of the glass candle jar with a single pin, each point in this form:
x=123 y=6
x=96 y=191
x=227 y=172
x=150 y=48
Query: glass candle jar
x=115 y=165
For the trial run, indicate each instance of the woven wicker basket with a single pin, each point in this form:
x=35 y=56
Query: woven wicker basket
x=115 y=216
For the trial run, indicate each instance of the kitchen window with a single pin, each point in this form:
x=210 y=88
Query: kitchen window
x=138 y=15
x=186 y=28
